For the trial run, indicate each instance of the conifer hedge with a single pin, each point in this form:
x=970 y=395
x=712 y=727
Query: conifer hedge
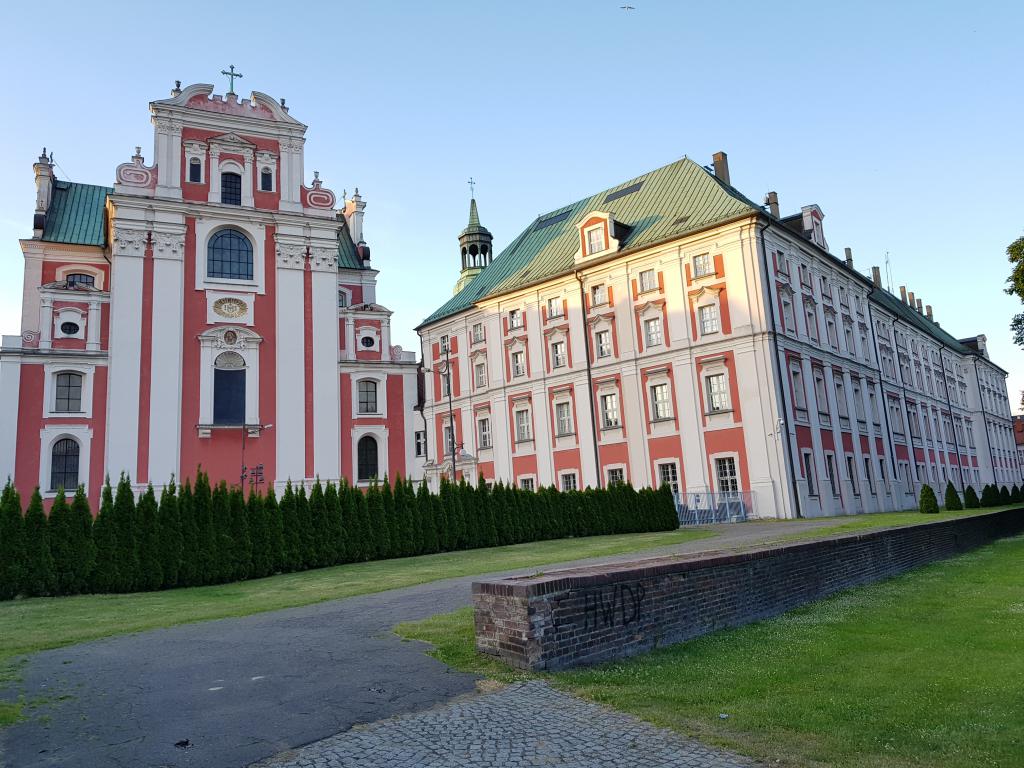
x=195 y=534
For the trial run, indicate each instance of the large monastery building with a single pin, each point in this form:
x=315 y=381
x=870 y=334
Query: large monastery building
x=670 y=330
x=213 y=308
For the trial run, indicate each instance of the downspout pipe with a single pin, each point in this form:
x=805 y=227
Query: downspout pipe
x=590 y=381
x=772 y=335
x=881 y=386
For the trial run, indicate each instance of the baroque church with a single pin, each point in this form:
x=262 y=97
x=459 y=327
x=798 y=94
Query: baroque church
x=211 y=309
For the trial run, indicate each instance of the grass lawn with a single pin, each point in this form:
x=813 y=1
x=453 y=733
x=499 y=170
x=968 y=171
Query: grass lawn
x=926 y=669
x=40 y=623
x=875 y=520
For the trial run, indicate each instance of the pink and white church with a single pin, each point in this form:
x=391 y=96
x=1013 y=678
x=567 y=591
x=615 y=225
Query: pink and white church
x=210 y=309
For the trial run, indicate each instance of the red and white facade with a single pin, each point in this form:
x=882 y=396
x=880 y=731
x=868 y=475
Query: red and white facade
x=224 y=317
x=741 y=359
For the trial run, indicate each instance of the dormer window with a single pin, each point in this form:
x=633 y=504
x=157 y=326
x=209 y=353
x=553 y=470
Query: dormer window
x=195 y=170
x=595 y=240
x=231 y=189
x=266 y=180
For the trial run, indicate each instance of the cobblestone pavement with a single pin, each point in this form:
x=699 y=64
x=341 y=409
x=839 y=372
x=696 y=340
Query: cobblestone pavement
x=525 y=724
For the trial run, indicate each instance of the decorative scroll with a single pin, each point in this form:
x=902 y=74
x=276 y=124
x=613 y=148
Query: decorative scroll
x=136 y=173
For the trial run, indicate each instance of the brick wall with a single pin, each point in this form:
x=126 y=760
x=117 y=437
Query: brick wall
x=581 y=616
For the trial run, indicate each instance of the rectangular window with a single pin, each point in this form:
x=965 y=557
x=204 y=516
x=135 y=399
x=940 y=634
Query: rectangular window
x=851 y=474
x=444 y=344
x=701 y=265
x=725 y=473
x=228 y=396
x=717 y=392
x=368 y=397
x=555 y=308
x=480 y=375
x=421 y=443
x=867 y=475
x=661 y=403
x=483 y=433
x=478 y=333
x=449 y=440
x=598 y=295
x=195 y=170
x=563 y=419
x=652 y=331
x=446 y=384
x=841 y=405
x=515 y=318
x=820 y=396
x=707 y=317
x=595 y=240
x=616 y=475
x=788 y=318
x=799 y=396
x=812 y=325
x=603 y=341
x=69 y=393
x=518 y=364
x=558 y=358
x=523 y=432
x=526 y=483
x=648 y=281
x=809 y=473
x=668 y=474
x=568 y=481
x=231 y=189
x=833 y=339
x=830 y=467
x=610 y=411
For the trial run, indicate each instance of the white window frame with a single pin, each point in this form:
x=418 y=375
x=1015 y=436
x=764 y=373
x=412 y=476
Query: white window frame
x=484 y=436
x=599 y=295
x=733 y=480
x=672 y=478
x=376 y=395
x=603 y=350
x=702 y=265
x=480 y=374
x=527 y=482
x=718 y=401
x=592 y=242
x=606 y=422
x=523 y=427
x=478 y=333
x=559 y=359
x=556 y=308
x=517 y=360
x=713 y=318
x=568 y=481
x=646 y=281
x=565 y=425
x=48 y=436
x=620 y=469
x=653 y=336
x=661 y=407
x=50 y=371
x=420 y=442
x=515 y=319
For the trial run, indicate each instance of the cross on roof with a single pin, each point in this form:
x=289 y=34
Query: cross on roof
x=472 y=187
x=232 y=74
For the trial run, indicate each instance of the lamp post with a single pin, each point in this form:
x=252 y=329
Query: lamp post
x=445 y=369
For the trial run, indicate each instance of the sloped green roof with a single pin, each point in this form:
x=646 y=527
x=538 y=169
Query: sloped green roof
x=77 y=214
x=916 y=320
x=347 y=258
x=671 y=201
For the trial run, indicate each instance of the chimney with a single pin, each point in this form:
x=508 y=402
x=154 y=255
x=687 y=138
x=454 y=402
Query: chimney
x=721 y=161
x=849 y=257
x=903 y=294
x=910 y=299
x=920 y=308
x=876 y=277
x=928 y=312
x=44 y=192
x=772 y=199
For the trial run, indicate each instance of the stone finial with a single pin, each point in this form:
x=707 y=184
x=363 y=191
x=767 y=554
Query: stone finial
x=176 y=91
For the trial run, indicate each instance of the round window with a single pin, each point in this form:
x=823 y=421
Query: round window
x=367 y=341
x=69 y=329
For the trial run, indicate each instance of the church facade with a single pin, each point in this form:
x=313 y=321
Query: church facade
x=210 y=309
x=669 y=330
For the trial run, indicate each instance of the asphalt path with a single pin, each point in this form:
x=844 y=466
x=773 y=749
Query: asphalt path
x=227 y=693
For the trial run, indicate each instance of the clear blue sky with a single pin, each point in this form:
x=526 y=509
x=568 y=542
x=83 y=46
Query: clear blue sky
x=903 y=121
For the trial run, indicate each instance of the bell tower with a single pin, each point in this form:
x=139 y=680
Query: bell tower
x=475 y=246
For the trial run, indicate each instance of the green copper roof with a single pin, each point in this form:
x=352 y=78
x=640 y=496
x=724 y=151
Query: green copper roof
x=77 y=214
x=915 y=319
x=347 y=258
x=665 y=203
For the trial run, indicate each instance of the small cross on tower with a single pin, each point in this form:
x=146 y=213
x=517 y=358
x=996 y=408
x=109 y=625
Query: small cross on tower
x=232 y=75
x=472 y=187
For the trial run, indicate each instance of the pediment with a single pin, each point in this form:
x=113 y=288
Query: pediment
x=231 y=140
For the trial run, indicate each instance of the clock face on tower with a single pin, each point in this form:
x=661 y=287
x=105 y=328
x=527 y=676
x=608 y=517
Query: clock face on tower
x=230 y=307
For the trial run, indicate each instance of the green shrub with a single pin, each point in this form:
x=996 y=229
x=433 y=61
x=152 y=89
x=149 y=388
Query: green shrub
x=1004 y=495
x=928 y=503
x=150 y=573
x=971 y=500
x=952 y=498
x=127 y=551
x=171 y=543
x=39 y=579
x=105 y=577
x=990 y=496
x=1016 y=494
x=12 y=543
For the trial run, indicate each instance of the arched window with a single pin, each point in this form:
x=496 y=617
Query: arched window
x=366 y=455
x=195 y=170
x=266 y=180
x=69 y=392
x=64 y=464
x=367 y=396
x=231 y=189
x=229 y=389
x=229 y=255
x=79 y=278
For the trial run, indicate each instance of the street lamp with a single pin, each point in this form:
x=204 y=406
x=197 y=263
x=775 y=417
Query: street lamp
x=445 y=368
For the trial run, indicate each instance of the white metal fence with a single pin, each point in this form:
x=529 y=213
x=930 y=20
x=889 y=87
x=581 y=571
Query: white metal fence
x=707 y=508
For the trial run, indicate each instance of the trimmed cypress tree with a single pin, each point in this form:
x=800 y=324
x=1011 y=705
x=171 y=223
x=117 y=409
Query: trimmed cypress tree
x=39 y=578
x=1016 y=494
x=105 y=577
x=206 y=535
x=439 y=519
x=292 y=548
x=191 y=570
x=12 y=543
x=335 y=533
x=364 y=544
x=171 y=541
x=259 y=535
x=499 y=512
x=61 y=544
x=346 y=519
x=929 y=504
x=990 y=496
x=319 y=545
x=404 y=501
x=81 y=524
x=379 y=544
x=1004 y=495
x=275 y=530
x=390 y=520
x=428 y=543
x=307 y=553
x=952 y=498
x=488 y=533
x=240 y=539
x=668 y=519
x=127 y=553
x=151 y=575
x=222 y=562
x=971 y=500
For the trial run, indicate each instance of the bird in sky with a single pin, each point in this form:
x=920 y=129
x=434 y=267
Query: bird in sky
x=627 y=7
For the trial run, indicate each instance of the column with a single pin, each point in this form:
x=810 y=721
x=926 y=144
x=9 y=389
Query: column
x=290 y=426
x=326 y=378
x=92 y=327
x=45 y=322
